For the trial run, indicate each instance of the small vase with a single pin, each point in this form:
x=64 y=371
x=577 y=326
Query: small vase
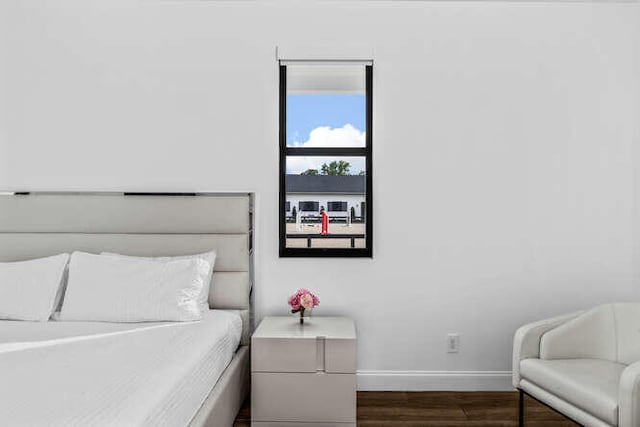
x=302 y=316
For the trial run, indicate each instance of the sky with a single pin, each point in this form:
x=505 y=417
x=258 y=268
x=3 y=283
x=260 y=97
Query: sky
x=325 y=121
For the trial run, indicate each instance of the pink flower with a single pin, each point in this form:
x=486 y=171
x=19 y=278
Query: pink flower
x=294 y=302
x=306 y=301
x=303 y=299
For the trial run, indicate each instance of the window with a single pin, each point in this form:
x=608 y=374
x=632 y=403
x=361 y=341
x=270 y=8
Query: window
x=326 y=158
x=309 y=206
x=337 y=206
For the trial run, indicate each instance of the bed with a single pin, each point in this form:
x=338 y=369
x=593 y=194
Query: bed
x=148 y=373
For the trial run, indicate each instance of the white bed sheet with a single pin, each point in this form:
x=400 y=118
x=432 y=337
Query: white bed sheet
x=95 y=373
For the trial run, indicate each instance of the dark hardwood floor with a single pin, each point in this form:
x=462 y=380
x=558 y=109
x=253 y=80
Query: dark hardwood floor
x=439 y=409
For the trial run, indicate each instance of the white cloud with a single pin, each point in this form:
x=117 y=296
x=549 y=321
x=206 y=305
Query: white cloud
x=324 y=136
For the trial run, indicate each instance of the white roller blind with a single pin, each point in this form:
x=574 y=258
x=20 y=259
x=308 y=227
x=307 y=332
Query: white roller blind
x=325 y=78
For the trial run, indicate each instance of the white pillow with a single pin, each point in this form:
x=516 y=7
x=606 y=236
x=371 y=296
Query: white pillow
x=28 y=288
x=209 y=257
x=116 y=289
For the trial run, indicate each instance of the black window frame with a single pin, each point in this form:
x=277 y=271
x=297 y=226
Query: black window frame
x=366 y=152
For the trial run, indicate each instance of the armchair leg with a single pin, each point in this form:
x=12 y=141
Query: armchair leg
x=521 y=408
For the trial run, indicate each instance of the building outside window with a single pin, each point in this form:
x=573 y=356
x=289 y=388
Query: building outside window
x=325 y=158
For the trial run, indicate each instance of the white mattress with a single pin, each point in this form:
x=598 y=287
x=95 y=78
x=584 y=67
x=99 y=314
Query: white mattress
x=95 y=373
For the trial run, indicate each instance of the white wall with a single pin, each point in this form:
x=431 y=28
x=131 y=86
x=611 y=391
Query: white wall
x=636 y=169
x=510 y=125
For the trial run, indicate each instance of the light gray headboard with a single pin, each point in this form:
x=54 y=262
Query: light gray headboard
x=40 y=224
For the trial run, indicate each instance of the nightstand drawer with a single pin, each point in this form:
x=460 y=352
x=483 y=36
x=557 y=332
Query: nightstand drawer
x=340 y=356
x=283 y=355
x=303 y=355
x=292 y=397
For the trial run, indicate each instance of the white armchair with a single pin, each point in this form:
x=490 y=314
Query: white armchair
x=585 y=365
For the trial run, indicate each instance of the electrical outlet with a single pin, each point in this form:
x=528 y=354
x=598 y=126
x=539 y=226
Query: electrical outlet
x=453 y=343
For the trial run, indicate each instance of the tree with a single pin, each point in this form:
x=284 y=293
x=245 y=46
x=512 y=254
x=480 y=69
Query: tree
x=310 y=172
x=339 y=167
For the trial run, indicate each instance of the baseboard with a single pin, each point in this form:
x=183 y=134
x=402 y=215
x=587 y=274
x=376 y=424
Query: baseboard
x=434 y=380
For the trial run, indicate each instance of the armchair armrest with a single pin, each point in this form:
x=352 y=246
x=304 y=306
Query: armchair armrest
x=526 y=342
x=629 y=396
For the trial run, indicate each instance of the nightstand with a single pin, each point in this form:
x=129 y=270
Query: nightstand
x=303 y=375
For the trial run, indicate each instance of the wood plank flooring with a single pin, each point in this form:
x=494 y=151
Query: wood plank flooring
x=440 y=409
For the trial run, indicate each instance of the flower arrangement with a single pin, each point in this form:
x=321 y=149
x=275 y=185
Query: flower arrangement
x=302 y=300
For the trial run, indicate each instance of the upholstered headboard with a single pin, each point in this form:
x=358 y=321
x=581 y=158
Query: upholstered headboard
x=40 y=224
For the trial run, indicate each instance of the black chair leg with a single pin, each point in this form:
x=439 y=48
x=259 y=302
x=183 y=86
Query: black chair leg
x=521 y=409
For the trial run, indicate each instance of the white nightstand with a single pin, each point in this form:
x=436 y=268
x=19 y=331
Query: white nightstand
x=303 y=375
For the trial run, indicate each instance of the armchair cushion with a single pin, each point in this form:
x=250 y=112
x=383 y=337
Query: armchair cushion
x=589 y=384
x=628 y=332
x=589 y=336
x=609 y=332
x=526 y=343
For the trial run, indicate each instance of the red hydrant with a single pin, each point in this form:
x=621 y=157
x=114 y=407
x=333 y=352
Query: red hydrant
x=325 y=222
